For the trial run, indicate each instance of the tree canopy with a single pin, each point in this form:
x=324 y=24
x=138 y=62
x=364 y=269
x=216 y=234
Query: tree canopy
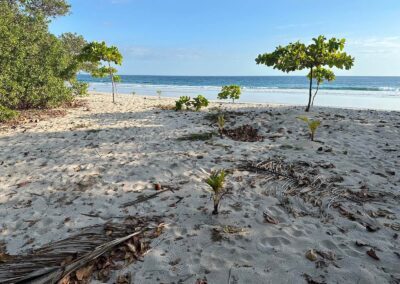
x=37 y=69
x=45 y=8
x=317 y=57
x=98 y=53
x=232 y=92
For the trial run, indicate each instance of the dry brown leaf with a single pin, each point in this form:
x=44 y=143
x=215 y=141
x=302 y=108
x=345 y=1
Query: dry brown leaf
x=84 y=272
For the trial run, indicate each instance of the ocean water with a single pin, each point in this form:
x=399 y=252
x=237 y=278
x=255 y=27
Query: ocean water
x=346 y=91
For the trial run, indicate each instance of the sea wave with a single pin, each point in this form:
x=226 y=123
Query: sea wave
x=337 y=90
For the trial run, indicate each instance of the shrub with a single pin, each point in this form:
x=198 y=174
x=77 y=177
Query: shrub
x=312 y=125
x=216 y=181
x=183 y=101
x=230 y=92
x=199 y=102
x=7 y=114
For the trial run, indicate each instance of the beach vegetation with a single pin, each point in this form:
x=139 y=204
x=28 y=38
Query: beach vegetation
x=7 y=114
x=184 y=101
x=104 y=56
x=221 y=124
x=159 y=93
x=232 y=92
x=320 y=75
x=312 y=125
x=216 y=181
x=37 y=69
x=199 y=102
x=317 y=57
x=197 y=136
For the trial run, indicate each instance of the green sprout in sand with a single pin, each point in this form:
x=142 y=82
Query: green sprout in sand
x=312 y=125
x=216 y=181
x=221 y=124
x=159 y=93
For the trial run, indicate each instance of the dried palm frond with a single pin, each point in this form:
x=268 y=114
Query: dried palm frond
x=292 y=180
x=61 y=259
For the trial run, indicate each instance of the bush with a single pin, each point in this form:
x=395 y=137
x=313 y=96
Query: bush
x=7 y=114
x=37 y=69
x=230 y=92
x=199 y=102
x=183 y=101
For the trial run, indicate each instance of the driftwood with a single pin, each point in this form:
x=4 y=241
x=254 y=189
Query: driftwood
x=60 y=259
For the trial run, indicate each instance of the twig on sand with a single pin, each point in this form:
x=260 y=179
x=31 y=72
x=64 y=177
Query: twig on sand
x=148 y=197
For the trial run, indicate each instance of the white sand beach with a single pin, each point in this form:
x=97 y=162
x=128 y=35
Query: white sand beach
x=66 y=173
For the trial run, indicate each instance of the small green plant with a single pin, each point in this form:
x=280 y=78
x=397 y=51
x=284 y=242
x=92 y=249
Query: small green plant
x=216 y=181
x=312 y=125
x=183 y=101
x=133 y=93
x=232 y=92
x=221 y=124
x=7 y=114
x=159 y=93
x=199 y=102
x=197 y=137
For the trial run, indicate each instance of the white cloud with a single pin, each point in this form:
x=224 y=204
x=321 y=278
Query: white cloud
x=375 y=45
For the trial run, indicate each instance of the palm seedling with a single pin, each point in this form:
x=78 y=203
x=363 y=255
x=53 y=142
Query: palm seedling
x=312 y=125
x=221 y=124
x=216 y=181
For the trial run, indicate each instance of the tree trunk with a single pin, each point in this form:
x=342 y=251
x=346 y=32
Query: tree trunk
x=215 y=212
x=310 y=92
x=315 y=94
x=112 y=82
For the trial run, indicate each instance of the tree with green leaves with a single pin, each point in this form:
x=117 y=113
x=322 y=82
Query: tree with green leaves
x=232 y=92
x=45 y=8
x=34 y=65
x=316 y=57
x=99 y=52
x=320 y=75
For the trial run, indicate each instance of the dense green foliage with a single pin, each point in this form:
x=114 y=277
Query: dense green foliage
x=37 y=69
x=98 y=52
x=312 y=125
x=197 y=102
x=45 y=8
x=316 y=57
x=184 y=101
x=7 y=114
x=232 y=92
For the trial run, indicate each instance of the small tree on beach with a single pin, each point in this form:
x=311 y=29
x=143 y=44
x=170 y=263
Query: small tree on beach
x=232 y=92
x=216 y=181
x=320 y=75
x=315 y=57
x=312 y=125
x=99 y=52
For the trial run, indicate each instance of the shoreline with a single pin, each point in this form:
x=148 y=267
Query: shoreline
x=64 y=174
x=255 y=104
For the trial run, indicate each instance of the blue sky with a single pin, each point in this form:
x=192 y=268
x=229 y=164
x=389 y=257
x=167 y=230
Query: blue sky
x=222 y=37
